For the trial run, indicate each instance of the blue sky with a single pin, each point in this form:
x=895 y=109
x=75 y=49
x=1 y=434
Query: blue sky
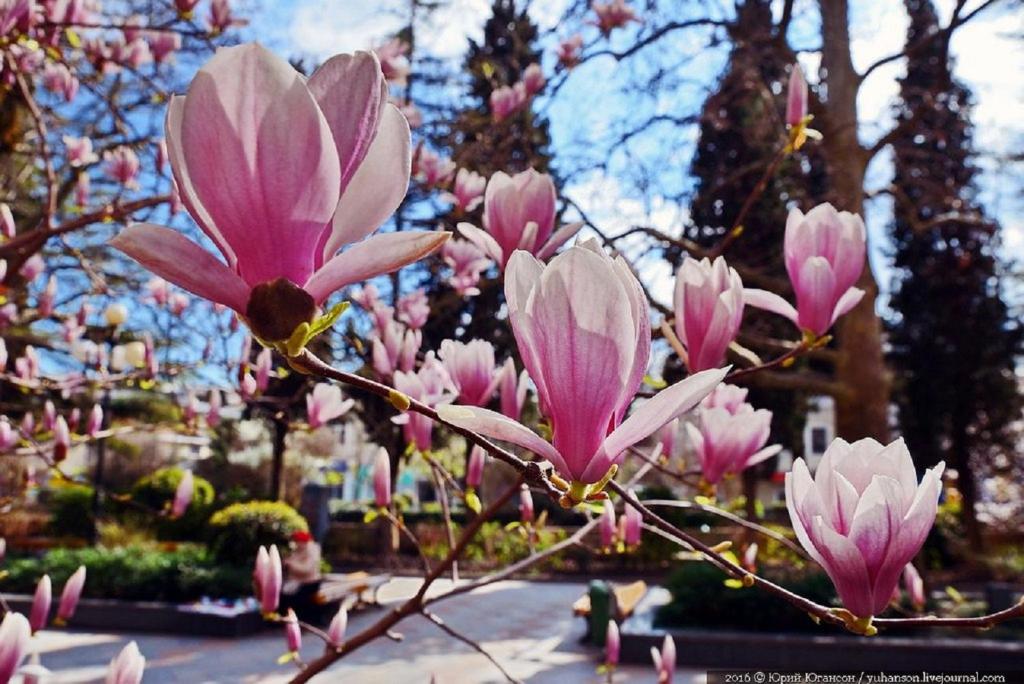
x=989 y=59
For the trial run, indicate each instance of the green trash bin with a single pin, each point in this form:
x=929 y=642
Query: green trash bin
x=602 y=609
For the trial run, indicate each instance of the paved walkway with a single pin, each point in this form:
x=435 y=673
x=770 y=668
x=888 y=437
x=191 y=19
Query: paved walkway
x=527 y=626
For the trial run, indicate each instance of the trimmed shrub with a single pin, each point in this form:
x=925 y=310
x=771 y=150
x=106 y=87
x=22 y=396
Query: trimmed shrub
x=236 y=532
x=71 y=510
x=156 y=491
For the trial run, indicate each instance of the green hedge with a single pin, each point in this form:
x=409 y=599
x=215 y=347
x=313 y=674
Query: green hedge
x=134 y=573
x=156 y=491
x=237 y=532
x=71 y=510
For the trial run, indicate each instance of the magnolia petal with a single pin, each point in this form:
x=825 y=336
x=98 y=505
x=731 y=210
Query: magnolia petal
x=495 y=425
x=483 y=240
x=845 y=566
x=378 y=186
x=850 y=299
x=763 y=455
x=376 y=255
x=665 y=406
x=559 y=238
x=769 y=301
x=175 y=258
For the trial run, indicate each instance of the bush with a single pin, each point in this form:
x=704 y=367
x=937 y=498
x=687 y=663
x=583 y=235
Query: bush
x=701 y=599
x=155 y=492
x=135 y=573
x=236 y=532
x=71 y=510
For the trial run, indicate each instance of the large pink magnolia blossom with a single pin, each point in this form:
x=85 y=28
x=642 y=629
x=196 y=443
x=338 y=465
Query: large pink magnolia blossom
x=708 y=309
x=325 y=403
x=471 y=368
x=863 y=517
x=281 y=173
x=519 y=213
x=730 y=436
x=581 y=324
x=824 y=251
x=15 y=635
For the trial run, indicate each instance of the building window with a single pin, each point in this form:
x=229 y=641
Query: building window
x=819 y=440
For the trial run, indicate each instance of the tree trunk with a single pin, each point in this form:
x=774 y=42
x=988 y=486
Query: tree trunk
x=862 y=407
x=277 y=465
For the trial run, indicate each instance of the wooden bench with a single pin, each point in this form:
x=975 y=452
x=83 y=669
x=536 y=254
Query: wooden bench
x=337 y=587
x=627 y=596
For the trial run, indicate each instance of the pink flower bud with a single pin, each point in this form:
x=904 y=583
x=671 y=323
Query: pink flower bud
x=213 y=412
x=71 y=593
x=525 y=505
x=185 y=6
x=475 y=467
x=513 y=390
x=863 y=517
x=708 y=309
x=7 y=226
x=569 y=51
x=292 y=632
x=31 y=269
x=40 y=613
x=83 y=187
x=267 y=579
x=127 y=667
x=633 y=525
x=15 y=634
x=221 y=17
x=612 y=15
x=61 y=439
x=7 y=436
x=750 y=557
x=533 y=79
x=382 y=479
x=182 y=495
x=247 y=387
x=665 y=660
x=796 y=99
x=264 y=366
x=336 y=630
x=95 y=422
x=163 y=45
x=28 y=423
x=914 y=586
x=612 y=644
x=506 y=100
x=49 y=415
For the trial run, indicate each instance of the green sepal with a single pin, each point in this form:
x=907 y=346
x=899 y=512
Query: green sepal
x=370 y=515
x=473 y=501
x=656 y=383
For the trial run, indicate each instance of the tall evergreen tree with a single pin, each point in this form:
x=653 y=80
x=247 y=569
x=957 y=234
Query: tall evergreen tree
x=952 y=341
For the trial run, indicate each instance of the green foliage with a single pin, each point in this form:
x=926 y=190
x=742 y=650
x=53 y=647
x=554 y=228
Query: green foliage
x=155 y=492
x=236 y=532
x=496 y=545
x=71 y=510
x=134 y=573
x=701 y=599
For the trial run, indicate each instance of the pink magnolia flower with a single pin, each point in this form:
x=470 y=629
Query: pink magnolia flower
x=431 y=169
x=665 y=660
x=177 y=303
x=730 y=440
x=431 y=385
x=750 y=557
x=3 y=355
x=61 y=439
x=612 y=15
x=163 y=45
x=468 y=192
x=512 y=390
x=582 y=327
x=13 y=12
x=183 y=495
x=32 y=268
x=133 y=53
x=708 y=309
x=336 y=630
x=471 y=368
x=82 y=190
x=414 y=309
x=606 y=525
x=914 y=585
x=467 y=262
x=533 y=79
x=264 y=367
x=824 y=257
x=506 y=100
x=475 y=467
x=132 y=28
x=666 y=437
x=49 y=415
x=395 y=349
x=122 y=165
x=7 y=225
x=185 y=7
x=159 y=290
x=213 y=410
x=411 y=113
x=525 y=505
x=612 y=645
x=57 y=78
x=382 y=478
x=796 y=98
x=221 y=17
x=324 y=404
x=15 y=635
x=127 y=667
x=292 y=632
x=95 y=422
x=47 y=297
x=394 y=61
x=40 y=613
x=569 y=51
x=267 y=579
x=863 y=517
x=70 y=594
x=8 y=437
x=519 y=213
x=314 y=166
x=161 y=155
